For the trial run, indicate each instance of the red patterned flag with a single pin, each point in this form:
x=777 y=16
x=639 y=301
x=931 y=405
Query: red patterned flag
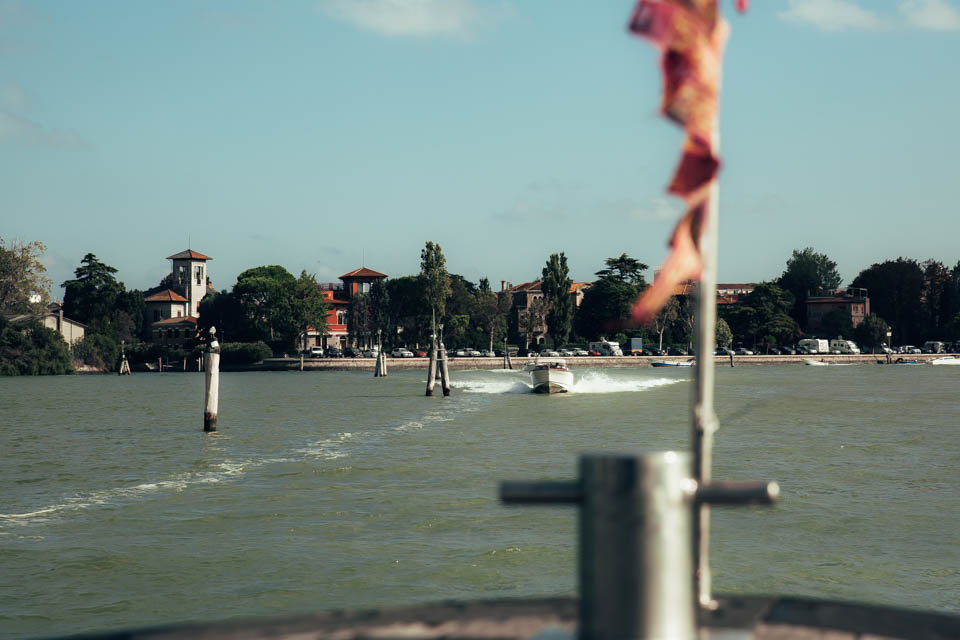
x=691 y=35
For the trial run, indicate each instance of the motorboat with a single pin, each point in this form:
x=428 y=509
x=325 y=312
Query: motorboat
x=551 y=375
x=815 y=363
x=672 y=363
x=946 y=360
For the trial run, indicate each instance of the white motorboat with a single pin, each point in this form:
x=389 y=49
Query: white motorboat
x=946 y=360
x=551 y=376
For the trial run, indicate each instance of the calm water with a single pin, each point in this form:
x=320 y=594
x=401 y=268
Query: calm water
x=336 y=489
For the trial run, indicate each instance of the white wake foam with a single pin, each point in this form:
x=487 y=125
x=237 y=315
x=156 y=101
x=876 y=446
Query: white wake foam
x=595 y=382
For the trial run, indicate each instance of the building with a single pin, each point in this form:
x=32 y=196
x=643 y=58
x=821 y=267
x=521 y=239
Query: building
x=53 y=318
x=338 y=296
x=854 y=301
x=525 y=296
x=167 y=315
x=170 y=315
x=190 y=278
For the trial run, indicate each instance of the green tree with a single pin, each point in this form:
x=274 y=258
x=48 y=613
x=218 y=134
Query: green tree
x=31 y=350
x=434 y=278
x=762 y=319
x=267 y=296
x=309 y=308
x=605 y=308
x=93 y=294
x=24 y=285
x=895 y=288
x=380 y=318
x=724 y=337
x=556 y=293
x=871 y=332
x=807 y=273
x=96 y=298
x=228 y=314
x=837 y=323
x=668 y=316
x=627 y=269
x=409 y=309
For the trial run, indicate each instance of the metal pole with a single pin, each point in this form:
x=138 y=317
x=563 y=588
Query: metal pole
x=636 y=570
x=704 y=418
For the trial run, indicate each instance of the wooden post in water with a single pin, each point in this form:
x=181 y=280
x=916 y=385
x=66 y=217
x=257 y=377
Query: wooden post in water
x=444 y=371
x=507 y=364
x=160 y=364
x=301 y=361
x=211 y=361
x=432 y=368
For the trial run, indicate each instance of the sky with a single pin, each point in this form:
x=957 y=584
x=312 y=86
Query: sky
x=325 y=135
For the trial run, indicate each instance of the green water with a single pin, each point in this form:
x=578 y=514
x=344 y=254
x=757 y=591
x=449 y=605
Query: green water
x=326 y=490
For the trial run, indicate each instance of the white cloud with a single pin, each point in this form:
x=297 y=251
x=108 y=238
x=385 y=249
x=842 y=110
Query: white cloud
x=833 y=15
x=418 y=18
x=937 y=15
x=17 y=130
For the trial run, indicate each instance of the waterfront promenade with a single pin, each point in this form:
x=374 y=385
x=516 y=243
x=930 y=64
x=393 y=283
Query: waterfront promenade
x=367 y=364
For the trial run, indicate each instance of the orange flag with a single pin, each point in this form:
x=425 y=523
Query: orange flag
x=691 y=36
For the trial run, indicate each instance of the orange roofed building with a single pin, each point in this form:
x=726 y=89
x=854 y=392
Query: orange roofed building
x=338 y=296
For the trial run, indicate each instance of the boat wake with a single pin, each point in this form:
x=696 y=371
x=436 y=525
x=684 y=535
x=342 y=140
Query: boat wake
x=585 y=382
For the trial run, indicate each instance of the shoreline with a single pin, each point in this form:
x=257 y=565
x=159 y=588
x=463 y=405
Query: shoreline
x=367 y=364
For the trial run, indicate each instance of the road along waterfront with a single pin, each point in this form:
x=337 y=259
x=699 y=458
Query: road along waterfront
x=345 y=490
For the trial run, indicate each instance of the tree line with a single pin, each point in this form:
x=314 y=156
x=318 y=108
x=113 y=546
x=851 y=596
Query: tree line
x=916 y=300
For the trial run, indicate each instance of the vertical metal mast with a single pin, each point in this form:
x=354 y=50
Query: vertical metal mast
x=704 y=417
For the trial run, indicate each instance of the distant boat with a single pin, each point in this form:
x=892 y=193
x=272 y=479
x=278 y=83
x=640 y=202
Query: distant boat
x=815 y=363
x=946 y=360
x=672 y=363
x=551 y=376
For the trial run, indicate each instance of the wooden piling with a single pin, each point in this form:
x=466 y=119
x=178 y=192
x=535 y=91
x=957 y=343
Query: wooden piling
x=444 y=371
x=432 y=369
x=160 y=364
x=211 y=363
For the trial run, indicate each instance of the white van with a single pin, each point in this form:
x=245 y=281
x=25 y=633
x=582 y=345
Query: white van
x=844 y=346
x=606 y=348
x=813 y=345
x=933 y=346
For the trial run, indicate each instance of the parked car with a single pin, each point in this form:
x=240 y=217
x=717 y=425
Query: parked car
x=654 y=351
x=351 y=352
x=332 y=352
x=472 y=353
x=580 y=352
x=486 y=353
x=774 y=352
x=401 y=352
x=419 y=353
x=722 y=351
x=676 y=351
x=743 y=352
x=788 y=351
x=549 y=353
x=316 y=352
x=371 y=353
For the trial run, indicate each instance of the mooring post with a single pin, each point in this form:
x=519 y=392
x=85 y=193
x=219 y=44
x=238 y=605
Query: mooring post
x=301 y=361
x=211 y=361
x=444 y=371
x=432 y=368
x=507 y=363
x=160 y=364
x=636 y=539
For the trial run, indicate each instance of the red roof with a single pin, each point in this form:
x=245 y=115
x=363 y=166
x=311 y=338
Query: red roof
x=189 y=254
x=175 y=321
x=363 y=272
x=166 y=296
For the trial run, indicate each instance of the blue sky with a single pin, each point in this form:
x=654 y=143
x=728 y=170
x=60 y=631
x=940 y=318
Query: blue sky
x=326 y=134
